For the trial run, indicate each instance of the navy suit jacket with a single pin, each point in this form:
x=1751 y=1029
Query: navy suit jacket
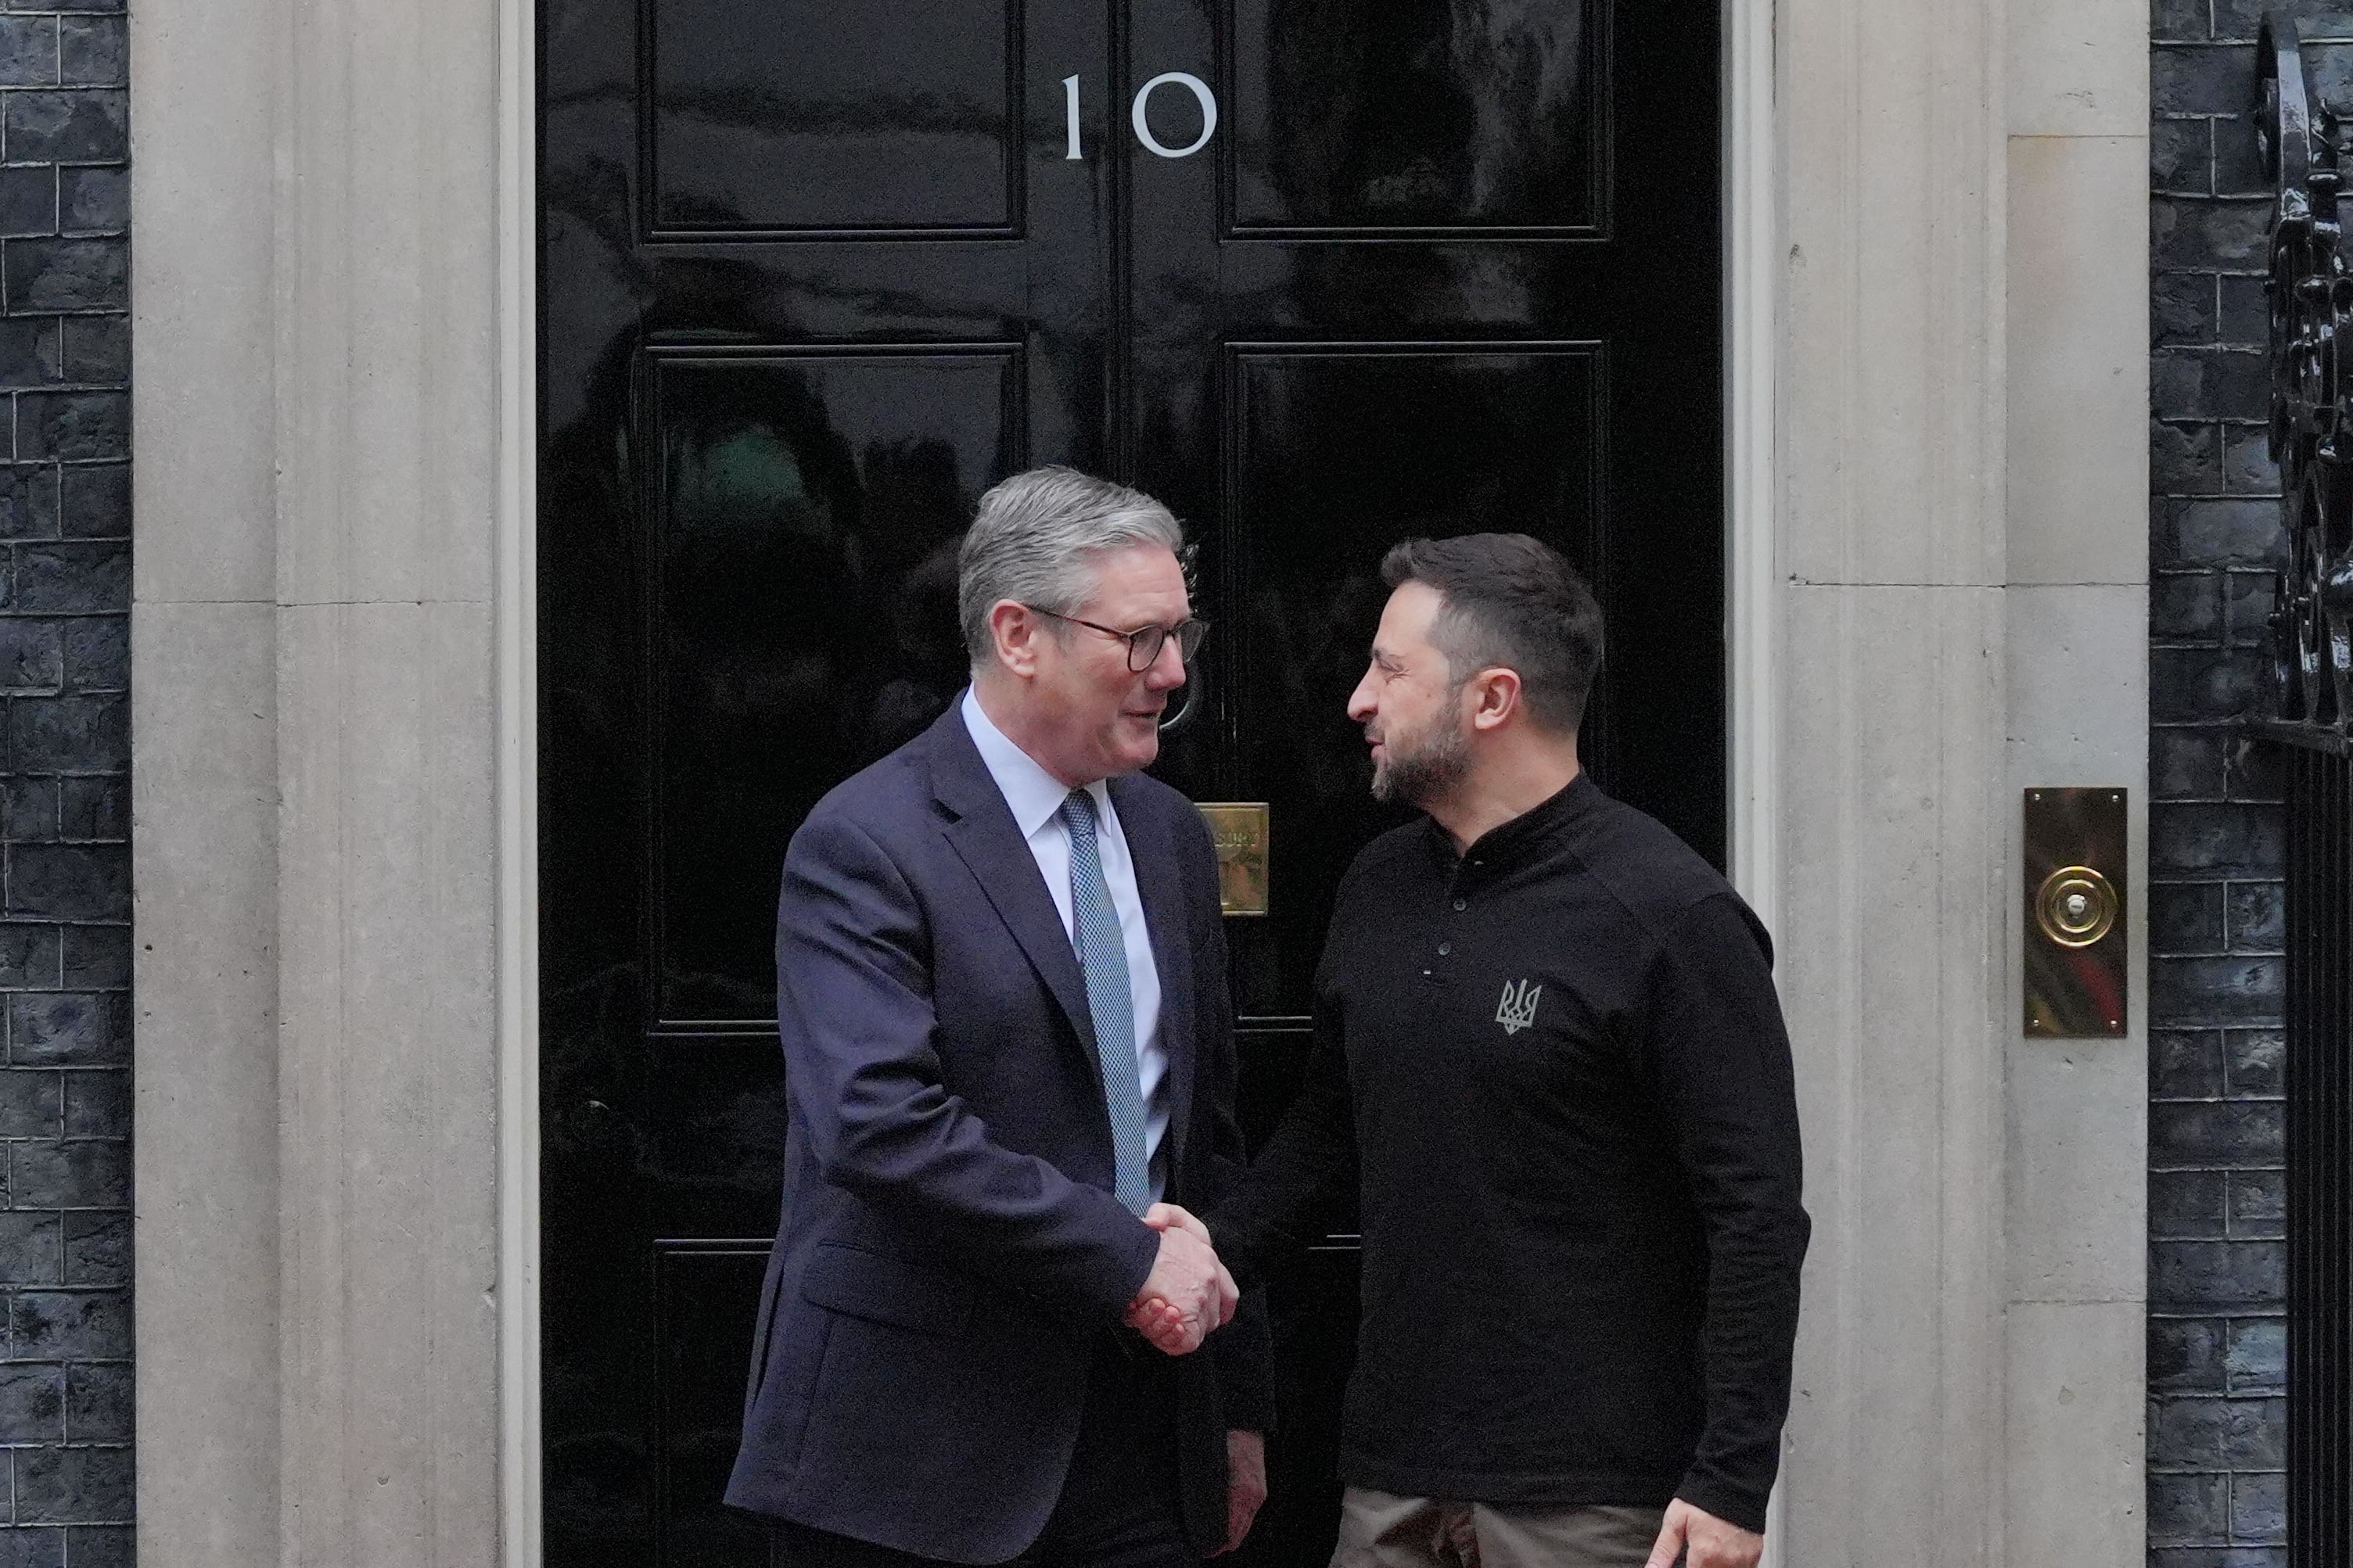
x=950 y=1257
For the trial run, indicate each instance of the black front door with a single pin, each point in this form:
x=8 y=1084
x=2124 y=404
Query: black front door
x=814 y=273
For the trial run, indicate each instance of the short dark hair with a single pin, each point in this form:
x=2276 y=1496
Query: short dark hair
x=1510 y=601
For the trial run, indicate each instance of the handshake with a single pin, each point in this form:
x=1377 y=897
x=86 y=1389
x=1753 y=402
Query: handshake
x=1188 y=1295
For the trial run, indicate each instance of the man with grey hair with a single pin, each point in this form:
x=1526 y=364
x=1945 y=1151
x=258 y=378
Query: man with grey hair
x=1001 y=990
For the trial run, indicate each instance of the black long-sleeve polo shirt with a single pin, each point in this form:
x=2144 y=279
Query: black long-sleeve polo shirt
x=1559 y=1061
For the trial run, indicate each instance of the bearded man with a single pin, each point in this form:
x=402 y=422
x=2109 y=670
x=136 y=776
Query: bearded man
x=1546 y=1033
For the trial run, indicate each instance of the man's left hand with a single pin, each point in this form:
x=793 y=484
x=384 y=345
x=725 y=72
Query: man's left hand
x=1697 y=1539
x=1245 y=1485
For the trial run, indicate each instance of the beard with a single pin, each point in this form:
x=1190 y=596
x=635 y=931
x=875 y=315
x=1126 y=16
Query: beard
x=1421 y=770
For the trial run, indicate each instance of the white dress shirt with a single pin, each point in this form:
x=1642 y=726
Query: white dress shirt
x=1036 y=797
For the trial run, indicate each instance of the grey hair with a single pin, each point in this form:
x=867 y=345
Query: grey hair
x=1035 y=540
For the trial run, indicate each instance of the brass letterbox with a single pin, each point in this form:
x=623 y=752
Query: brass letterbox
x=1240 y=829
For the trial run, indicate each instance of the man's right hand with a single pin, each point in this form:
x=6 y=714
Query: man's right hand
x=1188 y=1295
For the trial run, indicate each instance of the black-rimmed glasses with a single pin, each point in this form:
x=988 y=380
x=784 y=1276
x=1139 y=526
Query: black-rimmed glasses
x=1144 y=643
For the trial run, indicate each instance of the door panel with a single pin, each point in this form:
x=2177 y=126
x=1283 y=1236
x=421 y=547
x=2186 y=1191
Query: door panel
x=813 y=276
x=1320 y=487
x=804 y=509
x=1426 y=118
x=706 y=1295
x=775 y=118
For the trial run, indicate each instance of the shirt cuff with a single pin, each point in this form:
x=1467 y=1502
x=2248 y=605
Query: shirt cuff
x=1733 y=1504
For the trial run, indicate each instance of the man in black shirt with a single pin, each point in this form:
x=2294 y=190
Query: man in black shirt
x=1548 y=1046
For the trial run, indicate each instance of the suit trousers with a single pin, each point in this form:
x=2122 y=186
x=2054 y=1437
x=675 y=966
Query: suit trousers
x=1118 y=1506
x=1378 y=1529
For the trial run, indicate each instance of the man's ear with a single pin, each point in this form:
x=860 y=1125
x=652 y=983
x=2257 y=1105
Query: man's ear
x=1015 y=631
x=1495 y=696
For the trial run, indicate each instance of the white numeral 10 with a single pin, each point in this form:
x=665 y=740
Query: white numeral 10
x=1135 y=114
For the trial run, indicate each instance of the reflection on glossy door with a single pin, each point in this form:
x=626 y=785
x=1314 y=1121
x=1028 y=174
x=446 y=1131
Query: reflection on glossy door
x=813 y=276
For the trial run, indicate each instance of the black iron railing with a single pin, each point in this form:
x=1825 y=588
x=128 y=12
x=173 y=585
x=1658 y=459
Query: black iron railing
x=2320 y=1369
x=2311 y=297
x=2307 y=703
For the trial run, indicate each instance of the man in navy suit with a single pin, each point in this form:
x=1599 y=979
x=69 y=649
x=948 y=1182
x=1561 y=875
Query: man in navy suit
x=1001 y=986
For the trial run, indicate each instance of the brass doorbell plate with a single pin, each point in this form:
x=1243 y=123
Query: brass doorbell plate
x=2076 y=976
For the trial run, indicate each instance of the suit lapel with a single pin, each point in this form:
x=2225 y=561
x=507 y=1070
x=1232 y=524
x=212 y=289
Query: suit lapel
x=986 y=840
x=1158 y=882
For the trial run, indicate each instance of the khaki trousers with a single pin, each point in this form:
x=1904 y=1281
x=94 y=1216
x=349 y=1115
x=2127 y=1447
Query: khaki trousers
x=1381 y=1531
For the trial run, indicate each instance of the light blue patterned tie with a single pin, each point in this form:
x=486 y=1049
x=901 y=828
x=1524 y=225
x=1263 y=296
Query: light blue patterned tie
x=1102 y=957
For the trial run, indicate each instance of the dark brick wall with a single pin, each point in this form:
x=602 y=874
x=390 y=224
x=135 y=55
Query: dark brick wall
x=65 y=817
x=2217 y=1266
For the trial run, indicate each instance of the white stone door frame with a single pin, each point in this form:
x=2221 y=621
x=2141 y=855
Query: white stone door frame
x=1750 y=452
x=522 y=1503
x=336 y=1054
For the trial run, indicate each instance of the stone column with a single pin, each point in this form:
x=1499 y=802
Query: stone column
x=2076 y=1184
x=1962 y=555
x=204 y=783
x=316 y=299
x=1894 y=810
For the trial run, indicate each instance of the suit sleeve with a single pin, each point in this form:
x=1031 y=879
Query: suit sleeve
x=863 y=1074
x=1243 y=1349
x=1724 y=1080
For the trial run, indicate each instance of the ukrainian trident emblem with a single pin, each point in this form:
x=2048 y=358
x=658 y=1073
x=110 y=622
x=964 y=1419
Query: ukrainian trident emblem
x=1518 y=1010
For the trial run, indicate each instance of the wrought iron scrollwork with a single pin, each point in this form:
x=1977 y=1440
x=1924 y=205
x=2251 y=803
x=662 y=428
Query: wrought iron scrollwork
x=2310 y=289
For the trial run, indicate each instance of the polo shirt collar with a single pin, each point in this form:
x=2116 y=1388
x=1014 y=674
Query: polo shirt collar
x=1507 y=839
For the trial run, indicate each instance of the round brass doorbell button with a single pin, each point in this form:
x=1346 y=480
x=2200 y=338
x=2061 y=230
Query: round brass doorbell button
x=2076 y=906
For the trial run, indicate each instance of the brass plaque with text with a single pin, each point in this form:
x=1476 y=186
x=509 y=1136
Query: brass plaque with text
x=1239 y=830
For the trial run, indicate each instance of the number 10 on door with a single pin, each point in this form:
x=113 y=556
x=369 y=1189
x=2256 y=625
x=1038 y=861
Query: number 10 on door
x=1136 y=117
